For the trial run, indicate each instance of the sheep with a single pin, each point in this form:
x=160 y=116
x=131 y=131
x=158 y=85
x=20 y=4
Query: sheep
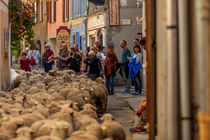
x=84 y=136
x=90 y=113
x=85 y=121
x=69 y=92
x=12 y=125
x=60 y=129
x=112 y=129
x=48 y=138
x=96 y=130
x=29 y=119
x=25 y=132
x=4 y=136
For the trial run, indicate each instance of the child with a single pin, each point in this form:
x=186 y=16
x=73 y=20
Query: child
x=24 y=62
x=135 y=67
x=140 y=127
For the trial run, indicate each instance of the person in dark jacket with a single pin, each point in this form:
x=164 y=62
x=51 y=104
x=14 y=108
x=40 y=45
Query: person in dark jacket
x=74 y=60
x=110 y=68
x=47 y=58
x=93 y=66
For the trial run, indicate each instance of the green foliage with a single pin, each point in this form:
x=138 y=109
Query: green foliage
x=22 y=20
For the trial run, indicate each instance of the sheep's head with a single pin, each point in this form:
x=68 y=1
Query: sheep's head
x=108 y=117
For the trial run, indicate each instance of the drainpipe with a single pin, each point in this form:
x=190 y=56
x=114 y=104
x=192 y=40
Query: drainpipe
x=10 y=57
x=184 y=69
x=172 y=121
x=202 y=19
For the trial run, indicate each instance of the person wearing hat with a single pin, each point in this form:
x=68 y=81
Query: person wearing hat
x=26 y=51
x=135 y=67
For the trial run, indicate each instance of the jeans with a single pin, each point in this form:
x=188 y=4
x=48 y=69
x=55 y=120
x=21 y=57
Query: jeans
x=137 y=82
x=47 y=66
x=110 y=82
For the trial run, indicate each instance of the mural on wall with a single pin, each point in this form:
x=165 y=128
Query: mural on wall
x=63 y=34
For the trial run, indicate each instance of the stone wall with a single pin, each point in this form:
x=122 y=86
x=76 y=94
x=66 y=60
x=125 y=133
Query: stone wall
x=4 y=59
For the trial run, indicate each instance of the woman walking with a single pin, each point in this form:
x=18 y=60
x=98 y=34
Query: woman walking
x=109 y=69
x=47 y=58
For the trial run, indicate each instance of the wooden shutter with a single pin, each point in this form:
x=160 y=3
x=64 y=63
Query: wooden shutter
x=63 y=10
x=54 y=11
x=49 y=12
x=67 y=10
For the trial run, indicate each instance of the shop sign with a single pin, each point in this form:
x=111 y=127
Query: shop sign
x=63 y=34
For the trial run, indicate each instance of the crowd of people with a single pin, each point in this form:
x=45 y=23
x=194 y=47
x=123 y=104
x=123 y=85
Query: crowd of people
x=94 y=62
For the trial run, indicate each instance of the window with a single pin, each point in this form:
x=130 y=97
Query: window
x=41 y=11
x=51 y=11
x=74 y=39
x=35 y=12
x=65 y=10
x=123 y=3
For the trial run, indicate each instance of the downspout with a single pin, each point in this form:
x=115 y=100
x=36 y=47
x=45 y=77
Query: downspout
x=10 y=57
x=202 y=20
x=172 y=119
x=184 y=69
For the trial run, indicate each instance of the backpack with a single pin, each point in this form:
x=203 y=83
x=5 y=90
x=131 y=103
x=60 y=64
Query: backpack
x=32 y=60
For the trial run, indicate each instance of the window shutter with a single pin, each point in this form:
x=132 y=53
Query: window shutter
x=81 y=8
x=49 y=12
x=54 y=11
x=67 y=10
x=78 y=39
x=63 y=10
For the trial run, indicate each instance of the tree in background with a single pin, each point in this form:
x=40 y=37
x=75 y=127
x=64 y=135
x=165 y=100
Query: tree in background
x=22 y=20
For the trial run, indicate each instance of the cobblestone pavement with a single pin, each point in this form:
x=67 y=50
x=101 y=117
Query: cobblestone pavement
x=123 y=107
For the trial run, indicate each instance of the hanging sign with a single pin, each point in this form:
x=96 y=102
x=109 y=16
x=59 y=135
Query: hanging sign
x=114 y=12
x=63 y=34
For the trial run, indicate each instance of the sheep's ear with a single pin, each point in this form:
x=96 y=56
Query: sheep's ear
x=102 y=118
x=71 y=105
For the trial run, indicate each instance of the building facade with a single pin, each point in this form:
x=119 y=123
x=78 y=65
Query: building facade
x=128 y=29
x=4 y=41
x=96 y=23
x=40 y=28
x=58 y=14
x=78 y=23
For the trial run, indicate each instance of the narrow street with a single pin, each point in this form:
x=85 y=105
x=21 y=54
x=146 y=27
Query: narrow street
x=123 y=107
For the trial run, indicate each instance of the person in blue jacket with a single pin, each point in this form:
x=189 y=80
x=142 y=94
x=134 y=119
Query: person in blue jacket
x=135 y=67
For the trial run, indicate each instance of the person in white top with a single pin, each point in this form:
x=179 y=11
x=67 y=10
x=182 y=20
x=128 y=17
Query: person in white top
x=36 y=55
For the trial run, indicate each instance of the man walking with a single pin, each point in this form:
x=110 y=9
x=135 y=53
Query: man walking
x=63 y=57
x=124 y=71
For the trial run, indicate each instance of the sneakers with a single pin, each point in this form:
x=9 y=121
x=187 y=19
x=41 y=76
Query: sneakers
x=136 y=93
x=136 y=130
x=127 y=91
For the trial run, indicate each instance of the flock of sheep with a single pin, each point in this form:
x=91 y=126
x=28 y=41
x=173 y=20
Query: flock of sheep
x=56 y=106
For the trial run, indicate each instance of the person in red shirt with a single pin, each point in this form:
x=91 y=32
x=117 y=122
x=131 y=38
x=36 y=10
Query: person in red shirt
x=48 y=59
x=24 y=62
